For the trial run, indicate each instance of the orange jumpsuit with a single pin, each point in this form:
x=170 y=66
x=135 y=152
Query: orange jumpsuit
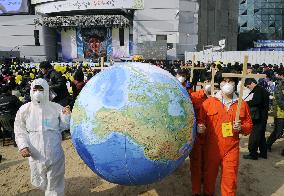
x=219 y=150
x=190 y=91
x=197 y=154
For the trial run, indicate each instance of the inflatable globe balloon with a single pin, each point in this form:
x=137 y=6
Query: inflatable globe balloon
x=133 y=124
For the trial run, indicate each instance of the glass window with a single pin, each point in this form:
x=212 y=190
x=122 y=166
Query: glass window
x=161 y=38
x=121 y=36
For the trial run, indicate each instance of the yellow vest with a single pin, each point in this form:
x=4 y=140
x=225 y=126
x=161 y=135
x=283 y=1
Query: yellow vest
x=279 y=113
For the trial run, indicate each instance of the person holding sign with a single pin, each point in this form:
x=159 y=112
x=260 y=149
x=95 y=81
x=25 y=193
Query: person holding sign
x=217 y=120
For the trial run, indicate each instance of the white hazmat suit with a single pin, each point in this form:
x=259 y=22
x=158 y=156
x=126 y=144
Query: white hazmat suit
x=38 y=127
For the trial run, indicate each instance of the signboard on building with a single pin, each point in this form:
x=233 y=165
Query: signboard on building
x=71 y=5
x=11 y=7
x=41 y=1
x=269 y=44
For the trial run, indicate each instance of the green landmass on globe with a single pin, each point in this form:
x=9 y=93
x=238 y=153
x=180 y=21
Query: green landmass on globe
x=133 y=124
x=146 y=126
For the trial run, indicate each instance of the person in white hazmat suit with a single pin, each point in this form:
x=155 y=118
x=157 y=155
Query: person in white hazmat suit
x=38 y=126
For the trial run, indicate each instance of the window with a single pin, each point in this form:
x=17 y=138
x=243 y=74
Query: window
x=36 y=36
x=161 y=38
x=121 y=36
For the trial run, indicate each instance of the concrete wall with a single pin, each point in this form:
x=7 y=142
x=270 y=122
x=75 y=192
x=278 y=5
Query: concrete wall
x=117 y=50
x=188 y=24
x=178 y=19
x=188 y=27
x=255 y=57
x=17 y=33
x=159 y=17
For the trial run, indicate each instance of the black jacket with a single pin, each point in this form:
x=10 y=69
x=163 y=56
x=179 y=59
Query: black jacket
x=9 y=104
x=57 y=83
x=261 y=101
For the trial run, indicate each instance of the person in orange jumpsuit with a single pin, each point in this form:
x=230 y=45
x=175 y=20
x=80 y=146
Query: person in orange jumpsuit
x=183 y=77
x=216 y=120
x=197 y=153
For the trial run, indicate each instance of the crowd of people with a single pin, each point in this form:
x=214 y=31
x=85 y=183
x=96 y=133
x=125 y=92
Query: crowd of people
x=217 y=142
x=51 y=89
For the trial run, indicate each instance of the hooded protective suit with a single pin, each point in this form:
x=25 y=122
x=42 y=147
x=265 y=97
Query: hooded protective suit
x=38 y=126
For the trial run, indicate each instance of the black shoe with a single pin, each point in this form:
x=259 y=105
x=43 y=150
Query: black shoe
x=282 y=152
x=0 y=158
x=248 y=156
x=269 y=149
x=262 y=156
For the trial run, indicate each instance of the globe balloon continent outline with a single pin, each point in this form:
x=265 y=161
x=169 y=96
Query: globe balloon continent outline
x=133 y=124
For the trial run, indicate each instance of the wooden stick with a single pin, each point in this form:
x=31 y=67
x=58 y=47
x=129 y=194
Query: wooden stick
x=102 y=61
x=213 y=73
x=245 y=67
x=190 y=67
x=192 y=70
x=243 y=77
x=202 y=84
x=102 y=65
x=231 y=75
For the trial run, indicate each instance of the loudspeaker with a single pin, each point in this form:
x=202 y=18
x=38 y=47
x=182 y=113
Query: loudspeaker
x=36 y=36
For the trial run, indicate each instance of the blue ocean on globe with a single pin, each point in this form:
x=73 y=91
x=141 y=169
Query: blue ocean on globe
x=133 y=124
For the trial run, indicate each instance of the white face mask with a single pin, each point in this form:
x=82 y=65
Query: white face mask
x=38 y=96
x=228 y=88
x=207 y=88
x=181 y=79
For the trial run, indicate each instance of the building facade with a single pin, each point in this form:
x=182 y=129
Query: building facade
x=87 y=29
x=261 y=20
x=218 y=19
x=172 y=21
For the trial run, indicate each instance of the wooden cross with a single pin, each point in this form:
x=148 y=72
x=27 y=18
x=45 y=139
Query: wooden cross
x=192 y=68
x=213 y=84
x=243 y=77
x=102 y=65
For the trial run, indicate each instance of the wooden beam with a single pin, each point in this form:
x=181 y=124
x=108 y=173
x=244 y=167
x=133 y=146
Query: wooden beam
x=243 y=77
x=192 y=68
x=102 y=62
x=245 y=67
x=213 y=73
x=231 y=75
